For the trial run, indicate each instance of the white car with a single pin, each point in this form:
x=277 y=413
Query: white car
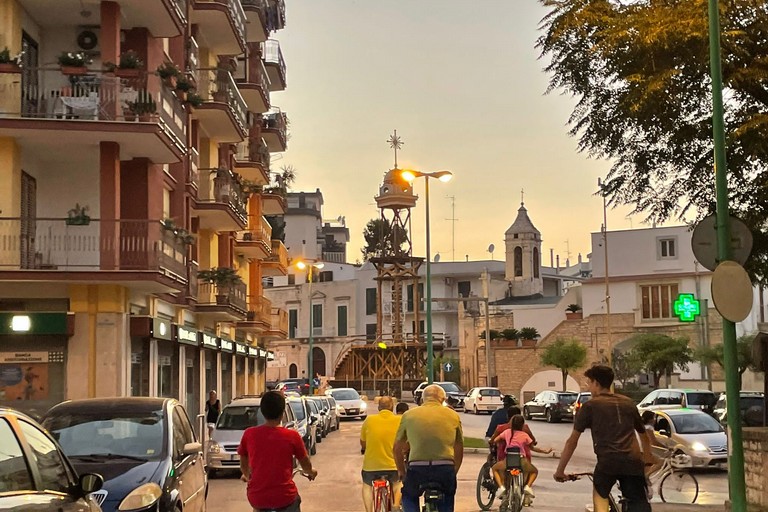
x=483 y=399
x=349 y=404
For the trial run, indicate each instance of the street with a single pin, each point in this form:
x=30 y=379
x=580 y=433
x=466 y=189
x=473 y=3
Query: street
x=338 y=462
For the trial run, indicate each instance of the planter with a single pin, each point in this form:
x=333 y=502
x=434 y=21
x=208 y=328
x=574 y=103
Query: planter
x=145 y=118
x=9 y=67
x=82 y=220
x=127 y=73
x=128 y=115
x=73 y=70
x=578 y=315
x=222 y=300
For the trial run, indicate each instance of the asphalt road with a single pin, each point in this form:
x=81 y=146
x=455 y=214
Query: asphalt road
x=338 y=462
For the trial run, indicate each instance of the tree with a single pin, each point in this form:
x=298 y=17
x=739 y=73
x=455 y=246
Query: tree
x=626 y=365
x=380 y=239
x=566 y=355
x=714 y=354
x=660 y=354
x=286 y=177
x=639 y=71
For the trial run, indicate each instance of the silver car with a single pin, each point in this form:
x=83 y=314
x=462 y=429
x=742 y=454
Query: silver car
x=349 y=404
x=694 y=433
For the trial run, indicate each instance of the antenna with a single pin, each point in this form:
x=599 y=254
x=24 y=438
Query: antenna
x=491 y=248
x=453 y=220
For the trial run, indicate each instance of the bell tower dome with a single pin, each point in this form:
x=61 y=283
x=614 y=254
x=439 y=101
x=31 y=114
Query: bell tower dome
x=523 y=256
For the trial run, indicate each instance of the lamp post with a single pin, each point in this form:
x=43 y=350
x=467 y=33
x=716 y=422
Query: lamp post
x=309 y=265
x=444 y=176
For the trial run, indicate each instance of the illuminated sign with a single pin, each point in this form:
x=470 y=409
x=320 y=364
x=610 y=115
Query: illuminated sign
x=210 y=341
x=687 y=307
x=227 y=345
x=241 y=349
x=187 y=336
x=21 y=323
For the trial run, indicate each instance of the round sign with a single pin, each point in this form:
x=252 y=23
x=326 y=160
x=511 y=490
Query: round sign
x=704 y=241
x=732 y=291
x=447 y=367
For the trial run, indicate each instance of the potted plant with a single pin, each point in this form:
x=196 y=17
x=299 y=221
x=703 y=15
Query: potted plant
x=179 y=234
x=170 y=73
x=130 y=65
x=78 y=216
x=10 y=63
x=73 y=63
x=223 y=278
x=573 y=312
x=194 y=100
x=143 y=107
x=528 y=335
x=183 y=86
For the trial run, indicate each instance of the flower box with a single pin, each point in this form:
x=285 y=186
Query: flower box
x=127 y=73
x=74 y=70
x=9 y=67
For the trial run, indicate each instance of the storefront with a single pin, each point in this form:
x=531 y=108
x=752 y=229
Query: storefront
x=154 y=358
x=227 y=371
x=253 y=364
x=210 y=346
x=241 y=356
x=33 y=358
x=189 y=341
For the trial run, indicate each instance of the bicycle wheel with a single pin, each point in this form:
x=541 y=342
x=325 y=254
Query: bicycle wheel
x=516 y=495
x=679 y=487
x=486 y=488
x=381 y=500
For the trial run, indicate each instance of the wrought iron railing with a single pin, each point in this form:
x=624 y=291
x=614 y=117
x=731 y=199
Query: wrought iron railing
x=276 y=15
x=260 y=233
x=272 y=54
x=231 y=295
x=221 y=186
x=218 y=86
x=180 y=7
x=235 y=12
x=279 y=253
x=254 y=150
x=276 y=120
x=193 y=60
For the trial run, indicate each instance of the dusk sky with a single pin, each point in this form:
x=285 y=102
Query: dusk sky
x=462 y=83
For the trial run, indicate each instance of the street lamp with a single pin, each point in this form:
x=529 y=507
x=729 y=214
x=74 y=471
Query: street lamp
x=308 y=265
x=444 y=176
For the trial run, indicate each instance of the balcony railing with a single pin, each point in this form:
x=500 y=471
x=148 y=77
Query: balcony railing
x=218 y=86
x=193 y=60
x=221 y=186
x=272 y=54
x=259 y=6
x=79 y=245
x=276 y=15
x=254 y=150
x=276 y=120
x=180 y=6
x=260 y=233
x=193 y=178
x=92 y=96
x=334 y=256
x=210 y=294
x=279 y=253
x=192 y=280
x=235 y=12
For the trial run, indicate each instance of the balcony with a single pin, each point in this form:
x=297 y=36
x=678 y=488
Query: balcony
x=275 y=130
x=193 y=61
x=193 y=282
x=252 y=79
x=223 y=112
x=193 y=176
x=275 y=64
x=220 y=202
x=273 y=201
x=275 y=15
x=50 y=112
x=252 y=161
x=256 y=19
x=264 y=319
x=139 y=254
x=334 y=256
x=222 y=304
x=221 y=24
x=256 y=242
x=277 y=263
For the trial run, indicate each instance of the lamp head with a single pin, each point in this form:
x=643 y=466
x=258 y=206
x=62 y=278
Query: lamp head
x=301 y=265
x=318 y=265
x=409 y=175
x=444 y=176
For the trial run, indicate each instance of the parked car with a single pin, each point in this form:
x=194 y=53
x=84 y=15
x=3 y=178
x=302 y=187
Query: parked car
x=306 y=424
x=349 y=403
x=553 y=406
x=661 y=399
x=319 y=418
x=695 y=433
x=301 y=386
x=334 y=411
x=751 y=404
x=35 y=474
x=483 y=399
x=581 y=399
x=325 y=411
x=454 y=396
x=234 y=419
x=145 y=448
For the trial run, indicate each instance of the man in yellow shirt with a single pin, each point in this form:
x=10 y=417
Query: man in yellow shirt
x=436 y=449
x=377 y=440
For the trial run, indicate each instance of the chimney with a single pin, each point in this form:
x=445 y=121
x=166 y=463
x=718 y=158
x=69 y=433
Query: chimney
x=551 y=257
x=567 y=262
x=558 y=264
x=579 y=258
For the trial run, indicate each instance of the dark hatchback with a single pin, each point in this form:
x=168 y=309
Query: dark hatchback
x=552 y=406
x=145 y=448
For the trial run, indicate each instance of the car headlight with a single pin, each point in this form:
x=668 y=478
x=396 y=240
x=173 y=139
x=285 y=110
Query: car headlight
x=699 y=447
x=141 y=497
x=363 y=406
x=214 y=447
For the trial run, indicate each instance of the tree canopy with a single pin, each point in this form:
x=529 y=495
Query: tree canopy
x=714 y=354
x=380 y=239
x=661 y=354
x=640 y=73
x=626 y=365
x=565 y=355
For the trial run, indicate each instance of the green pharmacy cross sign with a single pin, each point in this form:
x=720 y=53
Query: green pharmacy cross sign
x=687 y=307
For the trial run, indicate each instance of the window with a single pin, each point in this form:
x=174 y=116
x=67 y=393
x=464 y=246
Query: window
x=667 y=248
x=465 y=288
x=326 y=276
x=370 y=332
x=518 y=261
x=370 y=301
x=291 y=279
x=14 y=474
x=657 y=300
x=317 y=317
x=411 y=298
x=341 y=320
x=179 y=439
x=293 y=322
x=535 y=262
x=53 y=472
x=166 y=203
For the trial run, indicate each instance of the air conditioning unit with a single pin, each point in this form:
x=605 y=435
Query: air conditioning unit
x=87 y=39
x=448 y=281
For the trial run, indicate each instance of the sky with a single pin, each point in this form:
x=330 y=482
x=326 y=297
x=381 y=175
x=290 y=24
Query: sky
x=462 y=83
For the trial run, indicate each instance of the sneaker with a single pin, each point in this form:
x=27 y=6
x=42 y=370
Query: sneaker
x=528 y=491
x=502 y=492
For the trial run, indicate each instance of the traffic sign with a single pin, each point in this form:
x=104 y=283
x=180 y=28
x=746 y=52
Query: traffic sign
x=732 y=291
x=687 y=307
x=447 y=367
x=704 y=241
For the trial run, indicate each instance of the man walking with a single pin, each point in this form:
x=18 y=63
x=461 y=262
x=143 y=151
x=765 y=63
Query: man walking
x=614 y=422
x=436 y=442
x=377 y=442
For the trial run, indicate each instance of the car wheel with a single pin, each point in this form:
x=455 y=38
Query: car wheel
x=313 y=450
x=548 y=416
x=526 y=413
x=211 y=472
x=475 y=411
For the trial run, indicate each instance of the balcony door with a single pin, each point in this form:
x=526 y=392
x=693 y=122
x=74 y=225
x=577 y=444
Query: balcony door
x=28 y=221
x=29 y=76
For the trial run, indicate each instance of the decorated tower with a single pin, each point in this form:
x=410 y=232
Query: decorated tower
x=523 y=256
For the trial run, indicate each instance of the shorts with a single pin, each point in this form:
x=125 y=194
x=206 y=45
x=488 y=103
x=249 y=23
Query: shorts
x=632 y=486
x=293 y=507
x=369 y=476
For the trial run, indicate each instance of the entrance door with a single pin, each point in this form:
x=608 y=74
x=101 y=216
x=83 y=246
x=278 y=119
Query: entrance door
x=293 y=371
x=318 y=361
x=28 y=227
x=29 y=76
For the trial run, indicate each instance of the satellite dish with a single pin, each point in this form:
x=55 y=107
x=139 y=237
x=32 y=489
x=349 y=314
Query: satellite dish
x=437 y=258
x=491 y=248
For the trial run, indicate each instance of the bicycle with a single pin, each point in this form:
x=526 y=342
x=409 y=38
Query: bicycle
x=614 y=505
x=682 y=486
x=383 y=498
x=486 y=485
x=513 y=501
x=295 y=471
x=433 y=494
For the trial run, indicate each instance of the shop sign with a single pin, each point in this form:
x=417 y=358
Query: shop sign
x=210 y=341
x=33 y=323
x=23 y=357
x=241 y=349
x=186 y=336
x=276 y=359
x=253 y=351
x=161 y=329
x=270 y=355
x=227 y=345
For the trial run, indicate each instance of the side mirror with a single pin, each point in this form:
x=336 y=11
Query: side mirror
x=192 y=448
x=664 y=432
x=312 y=420
x=290 y=424
x=90 y=482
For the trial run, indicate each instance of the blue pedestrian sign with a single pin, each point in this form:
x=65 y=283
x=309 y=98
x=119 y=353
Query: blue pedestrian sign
x=447 y=367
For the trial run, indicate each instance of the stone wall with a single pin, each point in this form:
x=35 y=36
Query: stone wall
x=755 y=464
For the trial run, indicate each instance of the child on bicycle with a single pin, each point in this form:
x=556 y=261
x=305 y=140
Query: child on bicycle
x=516 y=436
x=649 y=421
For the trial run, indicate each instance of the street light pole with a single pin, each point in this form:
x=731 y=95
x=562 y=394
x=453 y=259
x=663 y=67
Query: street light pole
x=310 y=265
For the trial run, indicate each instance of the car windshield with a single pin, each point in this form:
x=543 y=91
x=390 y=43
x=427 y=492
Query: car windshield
x=313 y=405
x=584 y=398
x=450 y=387
x=345 y=394
x=298 y=410
x=490 y=392
x=695 y=424
x=240 y=417
x=322 y=404
x=706 y=399
x=566 y=398
x=95 y=434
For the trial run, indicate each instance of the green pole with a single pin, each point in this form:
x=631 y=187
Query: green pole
x=311 y=339
x=430 y=353
x=737 y=488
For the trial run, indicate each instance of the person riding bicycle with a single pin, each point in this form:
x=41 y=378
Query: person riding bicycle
x=499 y=416
x=436 y=450
x=614 y=422
x=266 y=459
x=516 y=436
x=377 y=441
x=511 y=412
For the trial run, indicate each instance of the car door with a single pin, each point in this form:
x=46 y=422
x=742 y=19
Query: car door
x=537 y=408
x=188 y=468
x=663 y=431
x=647 y=402
x=469 y=401
x=54 y=479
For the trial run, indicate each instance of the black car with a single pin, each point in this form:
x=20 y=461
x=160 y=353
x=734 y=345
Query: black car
x=145 y=448
x=751 y=404
x=306 y=424
x=300 y=386
x=454 y=396
x=34 y=472
x=552 y=406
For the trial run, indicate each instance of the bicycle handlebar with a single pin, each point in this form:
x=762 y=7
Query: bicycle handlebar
x=572 y=477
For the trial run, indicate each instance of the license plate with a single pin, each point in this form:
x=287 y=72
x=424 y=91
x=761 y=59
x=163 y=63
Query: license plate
x=351 y=411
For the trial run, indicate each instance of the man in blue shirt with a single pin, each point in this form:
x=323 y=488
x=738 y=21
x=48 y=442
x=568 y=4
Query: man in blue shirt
x=500 y=416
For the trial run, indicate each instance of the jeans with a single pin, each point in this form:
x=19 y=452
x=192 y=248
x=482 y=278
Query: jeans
x=417 y=476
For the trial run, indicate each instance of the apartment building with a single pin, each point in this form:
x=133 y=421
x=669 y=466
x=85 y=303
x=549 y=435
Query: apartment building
x=135 y=143
x=308 y=235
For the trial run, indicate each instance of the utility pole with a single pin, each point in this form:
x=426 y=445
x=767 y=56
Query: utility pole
x=607 y=279
x=453 y=220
